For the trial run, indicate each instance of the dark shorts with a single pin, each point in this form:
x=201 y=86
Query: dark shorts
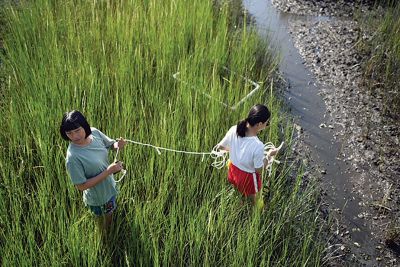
x=107 y=208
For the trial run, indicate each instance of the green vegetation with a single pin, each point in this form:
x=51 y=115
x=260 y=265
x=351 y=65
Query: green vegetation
x=383 y=67
x=114 y=61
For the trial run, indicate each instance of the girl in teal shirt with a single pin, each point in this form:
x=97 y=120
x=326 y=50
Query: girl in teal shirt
x=88 y=166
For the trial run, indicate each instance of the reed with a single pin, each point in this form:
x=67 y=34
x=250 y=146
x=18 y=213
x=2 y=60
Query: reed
x=382 y=69
x=114 y=61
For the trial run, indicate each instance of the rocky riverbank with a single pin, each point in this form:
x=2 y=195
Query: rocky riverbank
x=342 y=8
x=370 y=140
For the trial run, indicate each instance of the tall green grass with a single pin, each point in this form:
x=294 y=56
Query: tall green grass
x=382 y=70
x=114 y=61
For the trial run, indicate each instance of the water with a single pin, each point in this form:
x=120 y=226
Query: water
x=309 y=110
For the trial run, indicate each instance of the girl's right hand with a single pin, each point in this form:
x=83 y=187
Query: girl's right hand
x=115 y=167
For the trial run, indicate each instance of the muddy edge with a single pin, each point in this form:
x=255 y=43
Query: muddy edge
x=370 y=139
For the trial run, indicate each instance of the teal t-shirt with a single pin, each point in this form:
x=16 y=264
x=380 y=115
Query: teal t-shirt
x=89 y=161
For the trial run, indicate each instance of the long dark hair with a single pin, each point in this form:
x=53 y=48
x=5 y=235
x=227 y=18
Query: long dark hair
x=258 y=113
x=73 y=120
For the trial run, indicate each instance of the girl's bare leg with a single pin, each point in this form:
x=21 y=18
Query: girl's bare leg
x=104 y=224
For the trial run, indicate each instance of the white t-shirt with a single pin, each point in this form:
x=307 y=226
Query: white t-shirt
x=246 y=153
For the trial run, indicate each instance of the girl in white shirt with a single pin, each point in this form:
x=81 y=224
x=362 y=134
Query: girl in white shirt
x=246 y=151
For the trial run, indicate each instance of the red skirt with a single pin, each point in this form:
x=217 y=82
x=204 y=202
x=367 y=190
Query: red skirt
x=246 y=183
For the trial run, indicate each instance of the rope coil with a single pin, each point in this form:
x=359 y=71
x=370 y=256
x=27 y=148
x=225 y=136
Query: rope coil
x=268 y=148
x=219 y=157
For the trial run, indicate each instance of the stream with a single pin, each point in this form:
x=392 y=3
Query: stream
x=308 y=108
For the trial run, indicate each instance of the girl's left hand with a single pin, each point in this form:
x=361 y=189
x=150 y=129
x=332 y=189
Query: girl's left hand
x=120 y=144
x=273 y=152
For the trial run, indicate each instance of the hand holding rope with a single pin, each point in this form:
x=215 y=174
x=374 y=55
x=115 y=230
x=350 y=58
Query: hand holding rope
x=120 y=144
x=270 y=152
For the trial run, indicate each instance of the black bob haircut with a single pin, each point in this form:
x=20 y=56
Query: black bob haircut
x=73 y=120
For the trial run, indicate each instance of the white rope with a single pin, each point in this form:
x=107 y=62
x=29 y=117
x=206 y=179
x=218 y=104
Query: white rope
x=235 y=106
x=123 y=171
x=219 y=156
x=116 y=155
x=158 y=148
x=214 y=155
x=256 y=87
x=268 y=148
x=175 y=75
